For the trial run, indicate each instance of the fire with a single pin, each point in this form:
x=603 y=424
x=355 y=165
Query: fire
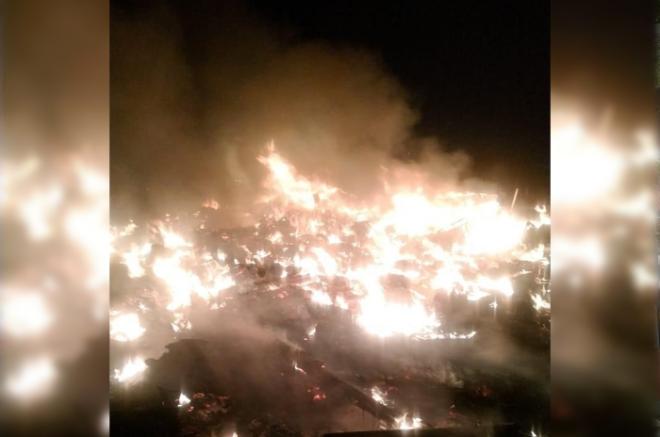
x=379 y=396
x=540 y=303
x=182 y=271
x=126 y=327
x=134 y=259
x=491 y=230
x=391 y=258
x=183 y=400
x=404 y=422
x=131 y=370
x=287 y=185
x=384 y=318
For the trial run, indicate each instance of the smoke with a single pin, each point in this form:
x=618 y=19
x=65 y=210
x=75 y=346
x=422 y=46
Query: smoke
x=192 y=108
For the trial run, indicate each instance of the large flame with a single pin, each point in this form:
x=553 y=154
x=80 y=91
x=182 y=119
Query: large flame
x=394 y=257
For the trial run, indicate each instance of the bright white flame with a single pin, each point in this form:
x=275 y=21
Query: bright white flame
x=492 y=231
x=183 y=400
x=289 y=186
x=540 y=303
x=385 y=319
x=404 y=422
x=131 y=370
x=378 y=395
x=126 y=327
x=535 y=255
x=321 y=297
x=171 y=239
x=134 y=258
x=413 y=245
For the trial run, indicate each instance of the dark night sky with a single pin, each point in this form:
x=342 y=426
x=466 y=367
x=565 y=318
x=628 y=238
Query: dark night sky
x=477 y=72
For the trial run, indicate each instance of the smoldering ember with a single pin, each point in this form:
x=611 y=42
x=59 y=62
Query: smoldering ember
x=424 y=311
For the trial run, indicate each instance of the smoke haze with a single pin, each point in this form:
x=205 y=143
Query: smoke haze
x=191 y=111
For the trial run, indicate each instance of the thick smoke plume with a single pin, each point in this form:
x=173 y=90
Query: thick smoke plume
x=192 y=108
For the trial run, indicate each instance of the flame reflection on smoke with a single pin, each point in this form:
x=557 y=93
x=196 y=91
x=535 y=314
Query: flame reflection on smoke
x=33 y=380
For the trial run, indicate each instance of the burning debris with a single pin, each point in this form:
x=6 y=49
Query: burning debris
x=398 y=306
x=404 y=422
x=131 y=370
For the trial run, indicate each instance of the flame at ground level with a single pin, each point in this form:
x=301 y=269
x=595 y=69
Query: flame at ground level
x=394 y=265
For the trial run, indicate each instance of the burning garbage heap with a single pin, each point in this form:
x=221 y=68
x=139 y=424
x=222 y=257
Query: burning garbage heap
x=422 y=311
